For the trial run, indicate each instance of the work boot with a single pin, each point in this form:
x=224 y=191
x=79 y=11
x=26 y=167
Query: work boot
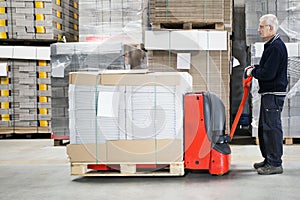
x=258 y=165
x=268 y=170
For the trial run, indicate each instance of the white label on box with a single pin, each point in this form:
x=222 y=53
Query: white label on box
x=24 y=52
x=186 y=40
x=3 y=69
x=217 y=40
x=43 y=53
x=183 y=61
x=157 y=40
x=6 y=51
x=107 y=101
x=293 y=49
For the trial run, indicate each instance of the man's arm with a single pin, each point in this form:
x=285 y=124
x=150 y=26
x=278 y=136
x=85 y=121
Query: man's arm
x=269 y=70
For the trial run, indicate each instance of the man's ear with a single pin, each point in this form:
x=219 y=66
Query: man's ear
x=271 y=27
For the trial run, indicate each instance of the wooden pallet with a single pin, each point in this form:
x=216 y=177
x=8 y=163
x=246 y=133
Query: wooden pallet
x=128 y=169
x=187 y=25
x=286 y=140
x=200 y=11
x=291 y=140
x=5 y=135
x=24 y=130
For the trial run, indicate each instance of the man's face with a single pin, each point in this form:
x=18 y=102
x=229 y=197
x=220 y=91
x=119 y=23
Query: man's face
x=265 y=31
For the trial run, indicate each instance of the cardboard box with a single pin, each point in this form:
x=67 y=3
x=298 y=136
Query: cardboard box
x=25 y=52
x=127 y=79
x=186 y=40
x=126 y=112
x=86 y=152
x=138 y=151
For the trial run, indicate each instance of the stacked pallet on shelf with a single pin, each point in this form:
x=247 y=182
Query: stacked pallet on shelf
x=29 y=24
x=103 y=19
x=5 y=99
x=25 y=91
x=193 y=37
x=39 y=20
x=291 y=109
x=287 y=12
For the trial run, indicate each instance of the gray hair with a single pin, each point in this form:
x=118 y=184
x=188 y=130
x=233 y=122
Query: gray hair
x=270 y=20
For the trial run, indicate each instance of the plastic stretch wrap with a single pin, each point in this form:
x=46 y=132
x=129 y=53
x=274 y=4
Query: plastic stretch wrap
x=287 y=12
x=67 y=57
x=291 y=110
x=85 y=56
x=39 y=20
x=117 y=111
x=106 y=19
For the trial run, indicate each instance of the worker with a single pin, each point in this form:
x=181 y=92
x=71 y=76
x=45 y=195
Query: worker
x=271 y=74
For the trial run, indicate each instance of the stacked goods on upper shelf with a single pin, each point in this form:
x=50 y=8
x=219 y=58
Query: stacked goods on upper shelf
x=215 y=13
x=291 y=109
x=104 y=19
x=287 y=12
x=39 y=20
x=25 y=102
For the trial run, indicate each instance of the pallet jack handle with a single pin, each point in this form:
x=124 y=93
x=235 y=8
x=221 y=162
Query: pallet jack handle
x=246 y=86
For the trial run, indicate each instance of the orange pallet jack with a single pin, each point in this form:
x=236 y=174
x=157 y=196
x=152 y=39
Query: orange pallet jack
x=206 y=144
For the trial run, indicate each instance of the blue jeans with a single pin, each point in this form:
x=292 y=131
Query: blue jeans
x=270 y=133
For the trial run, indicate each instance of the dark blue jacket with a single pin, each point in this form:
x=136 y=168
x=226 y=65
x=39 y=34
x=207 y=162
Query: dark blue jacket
x=271 y=72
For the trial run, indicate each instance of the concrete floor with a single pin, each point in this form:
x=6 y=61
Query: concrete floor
x=35 y=169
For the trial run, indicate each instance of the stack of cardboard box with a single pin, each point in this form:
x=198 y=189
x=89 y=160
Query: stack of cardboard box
x=131 y=117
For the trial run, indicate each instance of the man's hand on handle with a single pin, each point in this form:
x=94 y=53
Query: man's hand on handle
x=248 y=70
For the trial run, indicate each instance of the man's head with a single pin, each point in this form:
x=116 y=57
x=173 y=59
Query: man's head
x=268 y=26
